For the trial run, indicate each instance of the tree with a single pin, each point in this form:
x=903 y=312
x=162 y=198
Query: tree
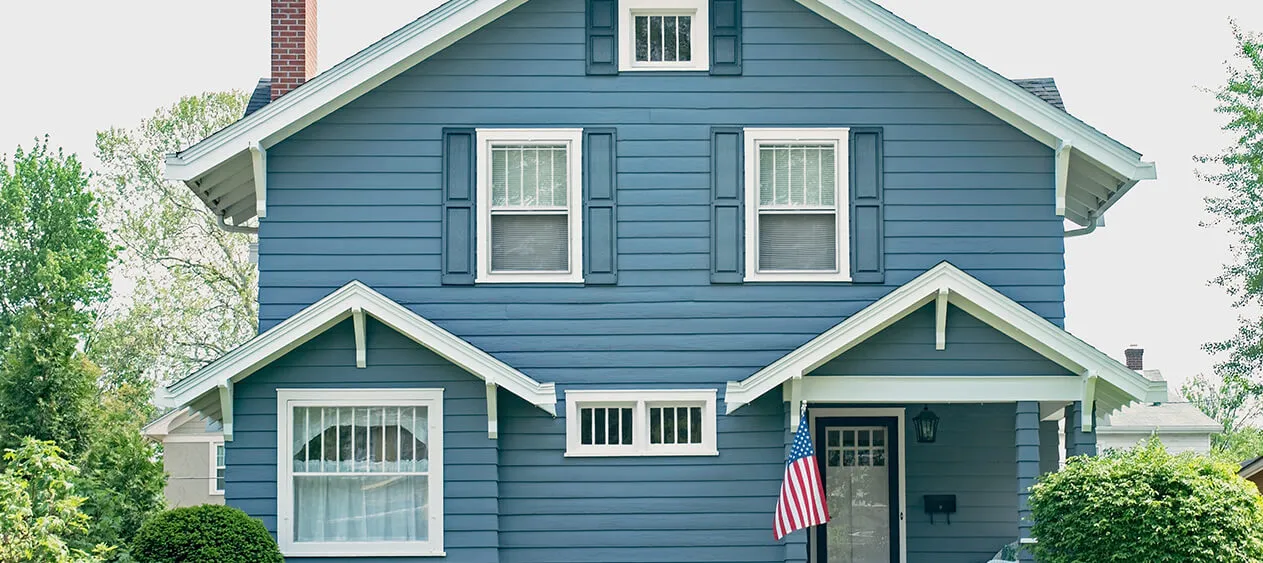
x=40 y=514
x=193 y=295
x=1234 y=395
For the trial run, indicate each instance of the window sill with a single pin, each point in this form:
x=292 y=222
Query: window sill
x=699 y=453
x=217 y=493
x=565 y=279
x=801 y=277
x=698 y=69
x=362 y=549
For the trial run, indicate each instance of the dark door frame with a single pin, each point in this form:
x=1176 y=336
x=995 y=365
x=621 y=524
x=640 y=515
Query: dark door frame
x=819 y=534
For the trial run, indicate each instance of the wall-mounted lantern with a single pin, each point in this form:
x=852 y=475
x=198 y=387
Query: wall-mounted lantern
x=926 y=425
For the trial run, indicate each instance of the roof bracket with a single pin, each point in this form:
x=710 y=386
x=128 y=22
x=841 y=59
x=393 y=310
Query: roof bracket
x=361 y=345
x=1089 y=401
x=493 y=412
x=225 y=407
x=940 y=319
x=259 y=159
x=1062 y=175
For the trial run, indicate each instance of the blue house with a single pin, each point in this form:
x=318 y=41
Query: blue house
x=552 y=281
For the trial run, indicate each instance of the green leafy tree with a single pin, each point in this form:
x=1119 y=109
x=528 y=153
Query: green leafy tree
x=40 y=515
x=193 y=293
x=1145 y=505
x=1235 y=393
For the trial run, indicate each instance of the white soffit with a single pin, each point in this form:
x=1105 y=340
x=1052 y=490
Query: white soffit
x=1101 y=169
x=1123 y=385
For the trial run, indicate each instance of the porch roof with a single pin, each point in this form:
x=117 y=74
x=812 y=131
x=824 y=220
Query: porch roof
x=1097 y=377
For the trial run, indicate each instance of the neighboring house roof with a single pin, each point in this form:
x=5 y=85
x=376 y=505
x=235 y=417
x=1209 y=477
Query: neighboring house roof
x=1045 y=88
x=1175 y=416
x=1251 y=468
x=173 y=420
x=261 y=96
x=1118 y=386
x=227 y=170
x=208 y=391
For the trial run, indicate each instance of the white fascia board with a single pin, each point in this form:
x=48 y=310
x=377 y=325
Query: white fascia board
x=338 y=306
x=1160 y=429
x=939 y=389
x=979 y=84
x=971 y=296
x=339 y=85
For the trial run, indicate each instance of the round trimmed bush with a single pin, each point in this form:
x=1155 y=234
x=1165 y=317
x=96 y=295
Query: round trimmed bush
x=1145 y=505
x=204 y=534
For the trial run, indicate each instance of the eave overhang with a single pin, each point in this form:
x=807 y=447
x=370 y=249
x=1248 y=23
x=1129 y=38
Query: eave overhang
x=223 y=170
x=209 y=390
x=1100 y=378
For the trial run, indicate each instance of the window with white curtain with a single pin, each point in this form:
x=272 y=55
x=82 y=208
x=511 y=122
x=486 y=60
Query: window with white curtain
x=664 y=35
x=529 y=201
x=640 y=423
x=797 y=205
x=360 y=472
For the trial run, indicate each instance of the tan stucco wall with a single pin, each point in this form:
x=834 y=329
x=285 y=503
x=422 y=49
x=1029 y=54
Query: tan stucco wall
x=188 y=466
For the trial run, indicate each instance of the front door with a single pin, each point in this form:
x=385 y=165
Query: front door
x=859 y=462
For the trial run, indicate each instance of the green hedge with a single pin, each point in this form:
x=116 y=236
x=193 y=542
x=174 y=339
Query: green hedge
x=1145 y=505
x=204 y=534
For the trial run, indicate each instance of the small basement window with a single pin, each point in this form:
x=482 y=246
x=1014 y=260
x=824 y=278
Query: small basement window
x=797 y=205
x=640 y=423
x=529 y=205
x=664 y=35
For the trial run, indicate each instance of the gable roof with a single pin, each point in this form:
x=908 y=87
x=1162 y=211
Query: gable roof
x=1121 y=385
x=199 y=390
x=1093 y=170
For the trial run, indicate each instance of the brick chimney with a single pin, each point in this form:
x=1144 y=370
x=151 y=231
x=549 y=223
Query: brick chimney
x=293 y=44
x=1135 y=357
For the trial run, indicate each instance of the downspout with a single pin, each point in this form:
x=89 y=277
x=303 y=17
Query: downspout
x=1097 y=222
x=223 y=224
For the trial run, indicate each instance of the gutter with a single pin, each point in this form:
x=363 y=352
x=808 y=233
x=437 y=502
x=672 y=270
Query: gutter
x=1098 y=222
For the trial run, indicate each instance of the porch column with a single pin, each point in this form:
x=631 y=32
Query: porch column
x=1078 y=442
x=1049 y=446
x=1028 y=466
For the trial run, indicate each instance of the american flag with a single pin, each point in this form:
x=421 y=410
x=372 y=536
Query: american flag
x=802 y=502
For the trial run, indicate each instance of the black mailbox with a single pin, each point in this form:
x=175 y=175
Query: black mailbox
x=940 y=504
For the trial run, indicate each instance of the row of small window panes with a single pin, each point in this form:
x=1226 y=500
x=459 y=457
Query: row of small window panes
x=675 y=425
x=360 y=440
x=220 y=466
x=664 y=38
x=529 y=176
x=856 y=448
x=605 y=426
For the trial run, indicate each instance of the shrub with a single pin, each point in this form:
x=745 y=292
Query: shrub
x=204 y=534
x=1145 y=505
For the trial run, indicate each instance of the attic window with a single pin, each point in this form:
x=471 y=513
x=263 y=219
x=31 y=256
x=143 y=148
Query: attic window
x=664 y=35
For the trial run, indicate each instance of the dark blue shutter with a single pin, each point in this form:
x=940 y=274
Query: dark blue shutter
x=600 y=195
x=868 y=260
x=458 y=207
x=602 y=36
x=727 y=239
x=725 y=37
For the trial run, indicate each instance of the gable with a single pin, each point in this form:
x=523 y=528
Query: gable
x=974 y=348
x=228 y=170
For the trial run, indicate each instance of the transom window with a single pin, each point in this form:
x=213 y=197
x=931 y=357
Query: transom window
x=640 y=423
x=361 y=472
x=664 y=35
x=797 y=207
x=529 y=226
x=855 y=447
x=218 y=466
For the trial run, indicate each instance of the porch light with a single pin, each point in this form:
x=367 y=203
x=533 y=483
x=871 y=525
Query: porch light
x=926 y=425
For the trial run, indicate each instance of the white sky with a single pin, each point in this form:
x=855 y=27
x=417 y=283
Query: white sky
x=1132 y=68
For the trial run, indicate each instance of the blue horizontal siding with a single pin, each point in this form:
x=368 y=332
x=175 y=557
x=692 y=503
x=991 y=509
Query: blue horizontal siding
x=470 y=488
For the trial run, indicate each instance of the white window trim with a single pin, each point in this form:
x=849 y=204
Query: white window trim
x=841 y=137
x=214 y=468
x=700 y=33
x=573 y=138
x=431 y=399
x=639 y=400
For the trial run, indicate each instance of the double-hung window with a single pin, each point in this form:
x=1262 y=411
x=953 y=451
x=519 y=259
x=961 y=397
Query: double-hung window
x=360 y=472
x=218 y=468
x=664 y=35
x=640 y=423
x=530 y=200
x=797 y=205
